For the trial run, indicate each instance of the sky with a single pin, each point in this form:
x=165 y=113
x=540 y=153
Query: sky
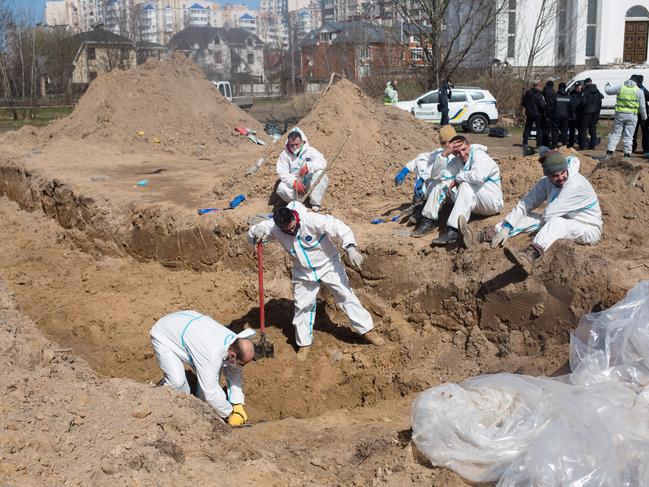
x=33 y=10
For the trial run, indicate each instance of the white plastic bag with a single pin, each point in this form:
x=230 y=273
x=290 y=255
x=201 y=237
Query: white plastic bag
x=613 y=345
x=590 y=428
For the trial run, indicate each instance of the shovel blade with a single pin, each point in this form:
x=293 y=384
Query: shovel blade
x=264 y=348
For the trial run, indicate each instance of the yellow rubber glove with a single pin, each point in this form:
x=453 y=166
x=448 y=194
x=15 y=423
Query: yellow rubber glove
x=238 y=416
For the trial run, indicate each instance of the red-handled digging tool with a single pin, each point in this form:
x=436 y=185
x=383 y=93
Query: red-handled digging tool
x=264 y=348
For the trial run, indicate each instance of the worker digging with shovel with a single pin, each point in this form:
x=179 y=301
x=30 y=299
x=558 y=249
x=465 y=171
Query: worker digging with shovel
x=306 y=236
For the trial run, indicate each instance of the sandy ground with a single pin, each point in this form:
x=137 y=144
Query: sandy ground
x=91 y=260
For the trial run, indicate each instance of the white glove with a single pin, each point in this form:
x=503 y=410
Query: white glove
x=259 y=233
x=355 y=257
x=500 y=238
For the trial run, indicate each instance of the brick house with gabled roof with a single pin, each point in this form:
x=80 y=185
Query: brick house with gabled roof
x=223 y=54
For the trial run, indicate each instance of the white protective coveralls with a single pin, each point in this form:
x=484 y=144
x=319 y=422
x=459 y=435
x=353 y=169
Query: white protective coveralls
x=316 y=260
x=440 y=171
x=478 y=189
x=572 y=212
x=289 y=164
x=189 y=337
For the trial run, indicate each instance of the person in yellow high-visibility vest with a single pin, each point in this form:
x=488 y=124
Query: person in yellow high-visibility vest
x=630 y=102
x=390 y=95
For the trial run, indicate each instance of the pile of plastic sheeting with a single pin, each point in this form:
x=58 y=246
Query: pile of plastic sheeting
x=589 y=428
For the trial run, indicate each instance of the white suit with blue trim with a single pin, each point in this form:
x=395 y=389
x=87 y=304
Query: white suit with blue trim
x=440 y=172
x=189 y=337
x=572 y=212
x=316 y=261
x=289 y=164
x=479 y=190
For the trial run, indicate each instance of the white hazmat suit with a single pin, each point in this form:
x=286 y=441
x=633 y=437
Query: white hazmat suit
x=440 y=171
x=478 y=187
x=572 y=212
x=316 y=261
x=188 y=337
x=289 y=164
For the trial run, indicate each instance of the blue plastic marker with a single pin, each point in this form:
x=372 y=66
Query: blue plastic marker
x=231 y=206
x=378 y=221
x=142 y=182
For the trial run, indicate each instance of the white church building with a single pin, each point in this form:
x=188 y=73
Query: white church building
x=575 y=33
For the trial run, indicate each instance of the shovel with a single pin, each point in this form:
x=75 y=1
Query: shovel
x=263 y=348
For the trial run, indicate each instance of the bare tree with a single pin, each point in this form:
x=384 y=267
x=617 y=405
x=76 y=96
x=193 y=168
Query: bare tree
x=553 y=24
x=452 y=32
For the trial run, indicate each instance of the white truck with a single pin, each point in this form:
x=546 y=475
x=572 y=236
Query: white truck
x=613 y=76
x=224 y=87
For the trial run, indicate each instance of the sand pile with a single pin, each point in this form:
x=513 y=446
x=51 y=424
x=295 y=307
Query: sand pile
x=169 y=103
x=381 y=139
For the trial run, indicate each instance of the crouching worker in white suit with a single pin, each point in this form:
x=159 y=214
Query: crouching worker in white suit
x=475 y=187
x=306 y=236
x=431 y=176
x=572 y=212
x=298 y=167
x=188 y=337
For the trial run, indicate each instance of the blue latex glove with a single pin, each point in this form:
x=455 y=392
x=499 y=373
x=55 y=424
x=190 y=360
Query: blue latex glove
x=419 y=188
x=237 y=201
x=401 y=176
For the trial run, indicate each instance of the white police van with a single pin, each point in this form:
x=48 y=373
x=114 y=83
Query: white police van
x=473 y=109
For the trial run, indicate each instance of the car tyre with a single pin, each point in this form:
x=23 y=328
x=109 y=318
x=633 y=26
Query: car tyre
x=478 y=124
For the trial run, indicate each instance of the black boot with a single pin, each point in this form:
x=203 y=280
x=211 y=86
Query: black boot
x=425 y=226
x=449 y=237
x=415 y=217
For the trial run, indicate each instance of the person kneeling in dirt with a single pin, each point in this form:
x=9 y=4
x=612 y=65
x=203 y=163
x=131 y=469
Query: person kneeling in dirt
x=474 y=188
x=306 y=236
x=431 y=173
x=572 y=212
x=298 y=167
x=188 y=337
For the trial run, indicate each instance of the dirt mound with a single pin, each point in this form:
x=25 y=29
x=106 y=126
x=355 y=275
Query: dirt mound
x=364 y=142
x=162 y=105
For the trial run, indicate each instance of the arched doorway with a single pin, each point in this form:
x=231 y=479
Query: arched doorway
x=636 y=30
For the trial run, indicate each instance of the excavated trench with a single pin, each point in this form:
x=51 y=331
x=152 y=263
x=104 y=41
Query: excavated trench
x=89 y=275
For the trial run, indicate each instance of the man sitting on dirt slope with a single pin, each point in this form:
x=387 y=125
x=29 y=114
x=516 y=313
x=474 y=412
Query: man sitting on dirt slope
x=188 y=337
x=474 y=188
x=306 y=236
x=432 y=177
x=298 y=167
x=572 y=212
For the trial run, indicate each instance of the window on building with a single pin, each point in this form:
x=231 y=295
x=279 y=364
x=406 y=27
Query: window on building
x=637 y=12
x=591 y=27
x=562 y=30
x=251 y=58
x=511 y=29
x=92 y=54
x=218 y=57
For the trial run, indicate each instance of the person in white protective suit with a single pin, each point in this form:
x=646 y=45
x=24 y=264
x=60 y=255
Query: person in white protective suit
x=306 y=236
x=429 y=170
x=572 y=212
x=573 y=162
x=211 y=349
x=298 y=167
x=474 y=187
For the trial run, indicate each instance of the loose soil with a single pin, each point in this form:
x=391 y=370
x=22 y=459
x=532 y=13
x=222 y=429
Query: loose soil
x=90 y=261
